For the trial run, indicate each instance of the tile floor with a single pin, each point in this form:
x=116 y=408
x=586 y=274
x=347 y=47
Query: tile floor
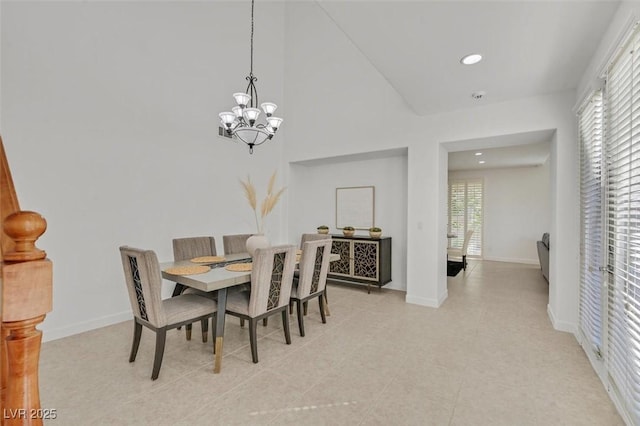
x=488 y=356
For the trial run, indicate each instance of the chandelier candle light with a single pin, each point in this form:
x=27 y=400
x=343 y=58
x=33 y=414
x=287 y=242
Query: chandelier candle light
x=243 y=120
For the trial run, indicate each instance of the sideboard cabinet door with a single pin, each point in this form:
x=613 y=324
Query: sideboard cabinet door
x=363 y=260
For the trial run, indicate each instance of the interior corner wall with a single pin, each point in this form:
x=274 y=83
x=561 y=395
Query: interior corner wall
x=340 y=105
x=516 y=211
x=523 y=115
x=109 y=120
x=315 y=187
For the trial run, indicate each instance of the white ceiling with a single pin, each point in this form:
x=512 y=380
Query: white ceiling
x=529 y=48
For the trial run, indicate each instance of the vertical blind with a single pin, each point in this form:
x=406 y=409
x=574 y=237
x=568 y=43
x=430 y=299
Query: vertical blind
x=590 y=133
x=622 y=150
x=465 y=213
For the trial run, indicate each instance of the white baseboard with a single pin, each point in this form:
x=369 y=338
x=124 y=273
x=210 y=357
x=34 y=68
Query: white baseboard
x=512 y=260
x=424 y=301
x=561 y=325
x=81 y=327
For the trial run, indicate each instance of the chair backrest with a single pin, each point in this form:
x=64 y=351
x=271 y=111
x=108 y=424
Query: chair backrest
x=271 y=278
x=314 y=266
x=467 y=238
x=313 y=237
x=144 y=284
x=235 y=243
x=188 y=248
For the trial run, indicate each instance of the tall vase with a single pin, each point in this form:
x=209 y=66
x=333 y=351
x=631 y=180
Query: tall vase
x=256 y=241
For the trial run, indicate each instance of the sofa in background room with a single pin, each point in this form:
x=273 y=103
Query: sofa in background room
x=543 y=255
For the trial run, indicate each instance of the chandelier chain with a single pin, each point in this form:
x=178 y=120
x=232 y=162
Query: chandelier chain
x=251 y=66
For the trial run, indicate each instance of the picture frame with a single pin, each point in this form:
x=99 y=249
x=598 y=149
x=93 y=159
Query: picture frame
x=355 y=206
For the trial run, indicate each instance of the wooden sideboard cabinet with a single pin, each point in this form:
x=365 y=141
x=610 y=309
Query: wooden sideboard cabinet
x=363 y=260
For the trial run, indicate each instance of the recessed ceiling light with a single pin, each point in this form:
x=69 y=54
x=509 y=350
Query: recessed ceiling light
x=478 y=153
x=481 y=162
x=471 y=59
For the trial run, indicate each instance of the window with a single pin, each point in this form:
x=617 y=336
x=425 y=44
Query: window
x=465 y=213
x=622 y=153
x=590 y=127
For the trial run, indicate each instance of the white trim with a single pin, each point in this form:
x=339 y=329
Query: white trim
x=565 y=326
x=513 y=260
x=596 y=364
x=617 y=45
x=586 y=96
x=600 y=369
x=81 y=327
x=424 y=301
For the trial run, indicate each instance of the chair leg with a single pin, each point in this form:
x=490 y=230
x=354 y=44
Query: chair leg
x=305 y=304
x=321 y=303
x=205 y=329
x=291 y=302
x=285 y=325
x=161 y=337
x=265 y=321
x=300 y=318
x=241 y=322
x=137 y=332
x=253 y=339
x=188 y=331
x=464 y=263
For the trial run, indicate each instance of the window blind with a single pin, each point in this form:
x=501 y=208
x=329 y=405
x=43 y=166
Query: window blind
x=466 y=212
x=474 y=216
x=590 y=133
x=622 y=148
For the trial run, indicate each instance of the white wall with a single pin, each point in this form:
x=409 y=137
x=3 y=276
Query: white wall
x=109 y=120
x=342 y=106
x=517 y=211
x=109 y=108
x=314 y=185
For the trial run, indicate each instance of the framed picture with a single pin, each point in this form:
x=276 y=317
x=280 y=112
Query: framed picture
x=355 y=206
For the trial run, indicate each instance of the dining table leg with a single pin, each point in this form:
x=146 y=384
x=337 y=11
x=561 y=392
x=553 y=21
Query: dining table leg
x=326 y=305
x=222 y=308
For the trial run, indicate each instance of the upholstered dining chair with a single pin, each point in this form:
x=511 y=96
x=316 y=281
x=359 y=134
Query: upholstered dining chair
x=304 y=239
x=235 y=243
x=313 y=237
x=144 y=282
x=271 y=280
x=461 y=252
x=190 y=247
x=185 y=249
x=312 y=281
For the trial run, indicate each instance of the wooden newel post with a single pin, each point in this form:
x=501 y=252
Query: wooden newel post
x=26 y=288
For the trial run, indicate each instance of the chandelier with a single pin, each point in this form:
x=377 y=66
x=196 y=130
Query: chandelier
x=242 y=122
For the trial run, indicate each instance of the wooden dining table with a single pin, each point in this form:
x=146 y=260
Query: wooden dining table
x=217 y=279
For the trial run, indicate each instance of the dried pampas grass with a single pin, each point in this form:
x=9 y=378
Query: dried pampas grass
x=269 y=202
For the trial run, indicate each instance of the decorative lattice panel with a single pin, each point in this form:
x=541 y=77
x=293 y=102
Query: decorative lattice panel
x=365 y=260
x=315 y=280
x=276 y=281
x=342 y=266
x=137 y=284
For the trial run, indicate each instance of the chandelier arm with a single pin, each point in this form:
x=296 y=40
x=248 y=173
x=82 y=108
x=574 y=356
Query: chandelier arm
x=252 y=91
